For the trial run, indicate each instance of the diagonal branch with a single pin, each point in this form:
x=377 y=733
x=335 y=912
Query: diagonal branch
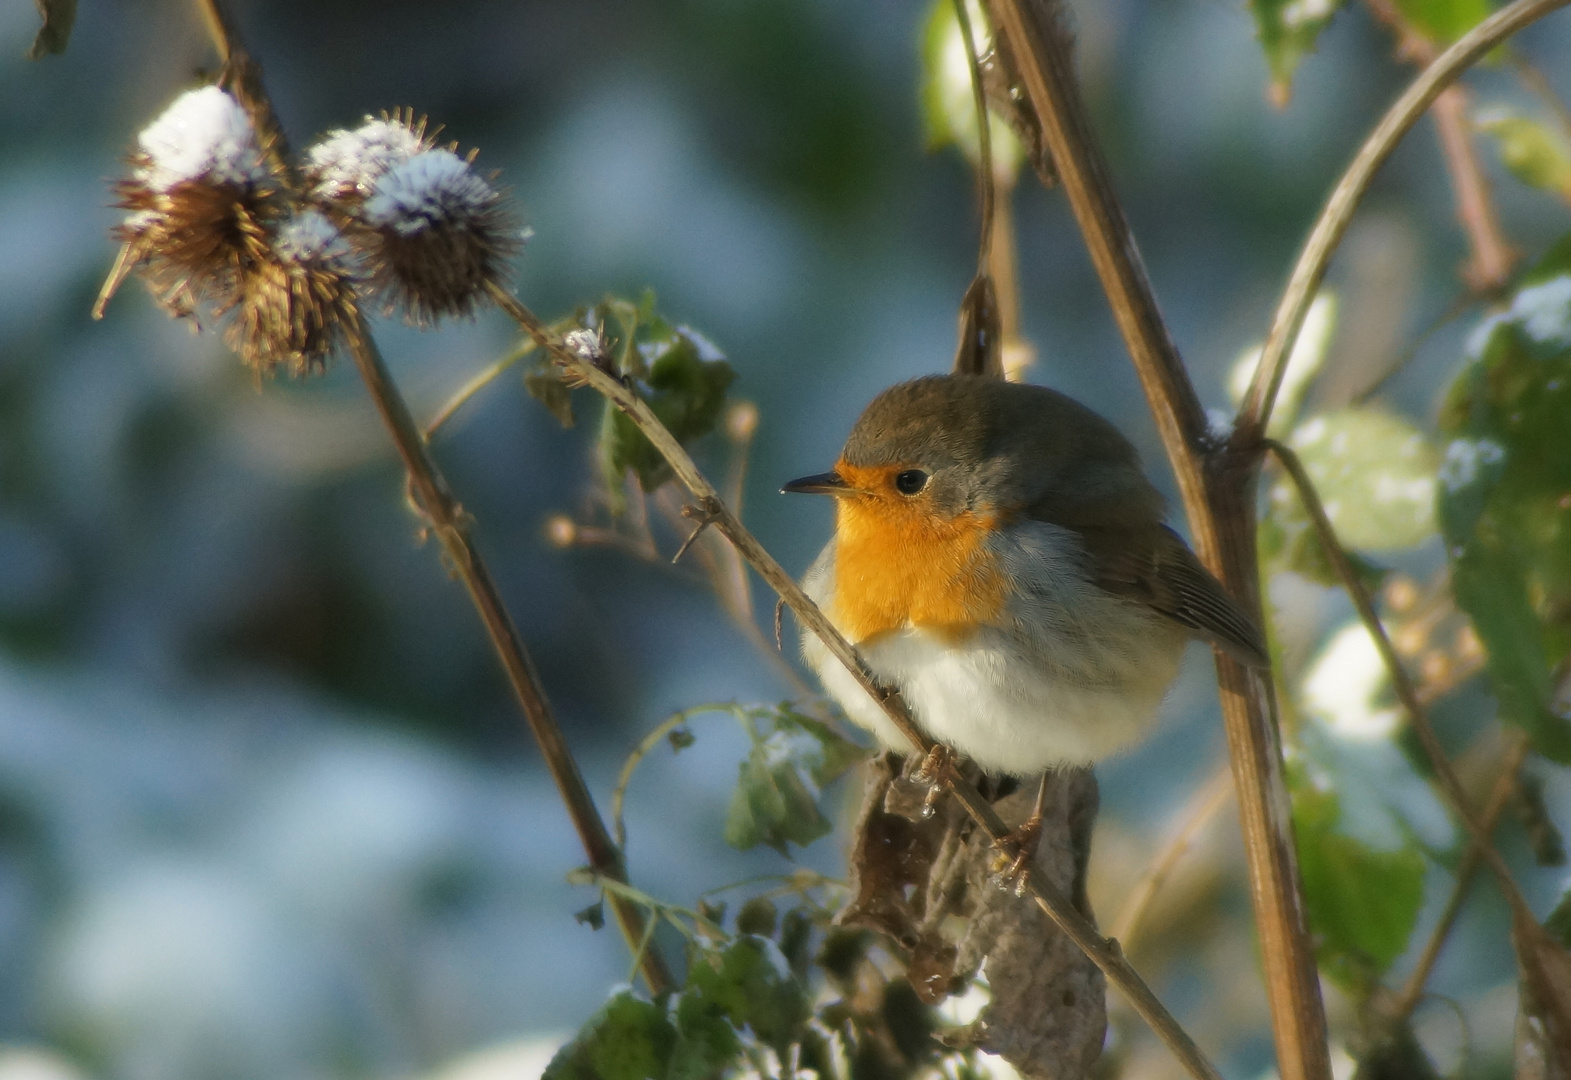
x=1105 y=953
x=451 y=525
x=1310 y=269
x=1406 y=692
x=1218 y=494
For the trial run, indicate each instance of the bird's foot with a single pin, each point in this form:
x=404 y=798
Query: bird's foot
x=932 y=772
x=1017 y=849
x=1015 y=854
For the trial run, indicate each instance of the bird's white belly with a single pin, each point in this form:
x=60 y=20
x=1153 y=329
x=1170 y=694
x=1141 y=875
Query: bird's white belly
x=1080 y=678
x=992 y=704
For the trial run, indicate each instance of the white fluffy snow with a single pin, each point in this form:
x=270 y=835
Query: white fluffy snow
x=309 y=235
x=358 y=159
x=434 y=187
x=205 y=133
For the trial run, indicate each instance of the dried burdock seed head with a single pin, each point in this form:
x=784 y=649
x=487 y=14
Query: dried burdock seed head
x=344 y=167
x=197 y=195
x=435 y=233
x=296 y=304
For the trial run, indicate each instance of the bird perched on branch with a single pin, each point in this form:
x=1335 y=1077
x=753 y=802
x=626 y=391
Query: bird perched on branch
x=1000 y=558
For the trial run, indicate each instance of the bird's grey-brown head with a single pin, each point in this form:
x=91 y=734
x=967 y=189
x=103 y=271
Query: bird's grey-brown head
x=971 y=443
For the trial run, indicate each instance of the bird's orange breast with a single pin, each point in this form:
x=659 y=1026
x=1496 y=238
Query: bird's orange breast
x=899 y=564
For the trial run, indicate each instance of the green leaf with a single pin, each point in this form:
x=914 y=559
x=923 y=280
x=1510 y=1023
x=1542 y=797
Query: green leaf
x=706 y=1042
x=1288 y=31
x=772 y=805
x=758 y=916
x=629 y=1039
x=948 y=102
x=1533 y=153
x=59 y=16
x=546 y=387
x=1375 y=473
x=791 y=759
x=1443 y=21
x=1362 y=903
x=835 y=753
x=1504 y=505
x=750 y=984
x=685 y=382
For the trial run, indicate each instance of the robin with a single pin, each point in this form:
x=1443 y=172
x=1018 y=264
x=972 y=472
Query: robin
x=1000 y=558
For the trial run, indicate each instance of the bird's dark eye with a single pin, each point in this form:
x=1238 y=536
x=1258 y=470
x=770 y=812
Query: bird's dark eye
x=911 y=481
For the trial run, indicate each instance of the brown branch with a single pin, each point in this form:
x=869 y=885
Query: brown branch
x=451 y=526
x=1489 y=266
x=1490 y=259
x=1406 y=692
x=1203 y=807
x=1313 y=258
x=1105 y=953
x=1218 y=494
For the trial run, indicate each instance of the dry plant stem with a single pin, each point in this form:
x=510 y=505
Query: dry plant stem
x=1489 y=266
x=1406 y=692
x=1505 y=785
x=476 y=384
x=1313 y=258
x=1104 y=953
x=1204 y=805
x=1490 y=256
x=448 y=521
x=1218 y=496
x=984 y=136
x=451 y=526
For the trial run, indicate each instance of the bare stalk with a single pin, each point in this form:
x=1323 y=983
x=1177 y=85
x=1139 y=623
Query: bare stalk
x=1489 y=262
x=1313 y=258
x=450 y=524
x=1106 y=954
x=1218 y=494
x=1203 y=807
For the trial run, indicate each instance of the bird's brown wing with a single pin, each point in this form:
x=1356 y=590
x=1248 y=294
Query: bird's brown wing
x=1156 y=568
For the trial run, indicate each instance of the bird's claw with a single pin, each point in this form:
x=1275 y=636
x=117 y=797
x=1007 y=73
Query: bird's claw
x=1015 y=854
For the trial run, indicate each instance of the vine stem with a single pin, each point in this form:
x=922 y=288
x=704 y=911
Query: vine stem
x=1105 y=953
x=1315 y=255
x=450 y=524
x=1218 y=495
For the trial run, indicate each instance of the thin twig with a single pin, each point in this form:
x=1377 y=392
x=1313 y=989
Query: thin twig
x=984 y=137
x=1204 y=805
x=1490 y=255
x=1104 y=953
x=451 y=526
x=1313 y=258
x=1406 y=692
x=641 y=751
x=476 y=384
x=1488 y=267
x=1505 y=786
x=1218 y=494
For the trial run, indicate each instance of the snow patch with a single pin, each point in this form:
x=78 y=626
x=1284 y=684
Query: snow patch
x=432 y=188
x=205 y=134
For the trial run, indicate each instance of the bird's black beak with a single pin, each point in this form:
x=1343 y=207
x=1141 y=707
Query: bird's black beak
x=822 y=484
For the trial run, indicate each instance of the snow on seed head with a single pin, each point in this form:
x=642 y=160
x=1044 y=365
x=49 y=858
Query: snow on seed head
x=204 y=135
x=346 y=165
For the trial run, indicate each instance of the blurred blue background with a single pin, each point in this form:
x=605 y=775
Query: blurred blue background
x=266 y=807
